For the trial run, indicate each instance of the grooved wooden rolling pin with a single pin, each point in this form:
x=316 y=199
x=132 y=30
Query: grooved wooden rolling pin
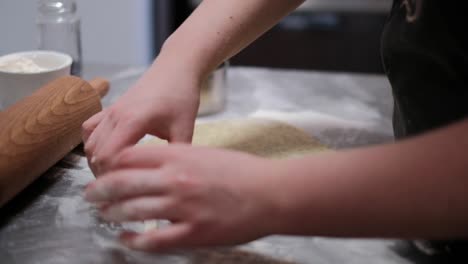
x=41 y=129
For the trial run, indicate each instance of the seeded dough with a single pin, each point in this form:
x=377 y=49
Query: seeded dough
x=265 y=138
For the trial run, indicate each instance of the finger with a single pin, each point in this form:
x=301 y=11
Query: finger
x=89 y=149
x=93 y=140
x=120 y=137
x=103 y=133
x=91 y=124
x=126 y=184
x=139 y=209
x=182 y=133
x=143 y=157
x=171 y=237
x=90 y=144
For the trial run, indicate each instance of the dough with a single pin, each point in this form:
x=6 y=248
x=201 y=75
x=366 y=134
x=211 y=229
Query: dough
x=262 y=137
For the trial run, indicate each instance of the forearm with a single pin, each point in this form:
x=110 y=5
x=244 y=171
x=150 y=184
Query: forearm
x=218 y=30
x=416 y=188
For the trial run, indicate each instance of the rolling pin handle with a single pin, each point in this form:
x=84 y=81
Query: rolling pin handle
x=101 y=85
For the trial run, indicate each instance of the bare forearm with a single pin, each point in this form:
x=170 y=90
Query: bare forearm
x=416 y=188
x=218 y=30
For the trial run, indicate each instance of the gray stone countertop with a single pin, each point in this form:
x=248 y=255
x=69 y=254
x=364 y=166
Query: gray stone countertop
x=50 y=222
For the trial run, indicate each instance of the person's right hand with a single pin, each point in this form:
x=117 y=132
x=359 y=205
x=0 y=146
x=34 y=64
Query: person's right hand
x=162 y=103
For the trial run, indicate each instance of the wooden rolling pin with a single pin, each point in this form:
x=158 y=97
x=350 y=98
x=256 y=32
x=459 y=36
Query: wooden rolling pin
x=41 y=129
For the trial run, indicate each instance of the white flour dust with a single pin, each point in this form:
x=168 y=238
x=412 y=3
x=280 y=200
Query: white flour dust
x=75 y=212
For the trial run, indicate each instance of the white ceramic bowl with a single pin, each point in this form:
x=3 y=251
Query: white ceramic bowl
x=23 y=73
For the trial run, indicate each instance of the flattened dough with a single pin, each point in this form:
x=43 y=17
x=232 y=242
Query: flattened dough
x=262 y=137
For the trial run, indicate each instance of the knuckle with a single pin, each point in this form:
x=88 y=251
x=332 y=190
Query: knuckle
x=184 y=182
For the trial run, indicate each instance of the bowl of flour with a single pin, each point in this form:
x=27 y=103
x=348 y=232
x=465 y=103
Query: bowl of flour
x=23 y=73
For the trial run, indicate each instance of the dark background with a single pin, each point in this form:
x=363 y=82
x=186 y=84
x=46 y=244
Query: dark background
x=328 y=41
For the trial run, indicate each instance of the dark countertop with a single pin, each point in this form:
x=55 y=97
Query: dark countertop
x=51 y=223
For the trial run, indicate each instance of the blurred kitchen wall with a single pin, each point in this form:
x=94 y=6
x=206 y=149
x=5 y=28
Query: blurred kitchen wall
x=328 y=35
x=113 y=31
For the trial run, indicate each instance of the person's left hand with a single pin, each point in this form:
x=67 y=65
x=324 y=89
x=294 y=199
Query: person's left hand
x=212 y=197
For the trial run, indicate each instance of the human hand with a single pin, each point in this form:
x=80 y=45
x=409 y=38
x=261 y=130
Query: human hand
x=162 y=103
x=212 y=197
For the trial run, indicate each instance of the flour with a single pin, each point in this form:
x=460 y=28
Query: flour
x=80 y=177
x=75 y=212
x=107 y=242
x=20 y=64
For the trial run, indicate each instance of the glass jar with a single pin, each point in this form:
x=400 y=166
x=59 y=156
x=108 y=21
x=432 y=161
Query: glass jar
x=213 y=91
x=59 y=29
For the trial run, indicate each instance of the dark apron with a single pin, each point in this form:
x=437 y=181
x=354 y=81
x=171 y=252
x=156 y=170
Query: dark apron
x=425 y=56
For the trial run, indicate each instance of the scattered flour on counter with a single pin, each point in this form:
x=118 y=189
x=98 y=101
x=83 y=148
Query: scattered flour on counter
x=333 y=131
x=80 y=178
x=75 y=212
x=107 y=242
x=19 y=64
